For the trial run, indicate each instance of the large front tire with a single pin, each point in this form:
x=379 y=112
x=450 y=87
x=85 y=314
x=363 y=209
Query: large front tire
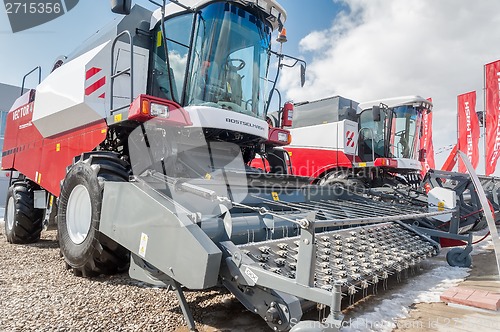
x=23 y=223
x=85 y=249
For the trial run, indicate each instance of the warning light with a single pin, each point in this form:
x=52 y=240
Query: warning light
x=282 y=36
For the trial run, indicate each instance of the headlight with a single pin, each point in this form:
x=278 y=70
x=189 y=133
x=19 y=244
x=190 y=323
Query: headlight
x=283 y=137
x=160 y=110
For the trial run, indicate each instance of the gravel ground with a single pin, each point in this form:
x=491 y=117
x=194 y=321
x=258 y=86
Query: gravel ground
x=38 y=293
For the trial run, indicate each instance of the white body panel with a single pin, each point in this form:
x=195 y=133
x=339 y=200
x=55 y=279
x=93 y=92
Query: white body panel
x=211 y=117
x=440 y=199
x=269 y=6
x=405 y=163
x=68 y=98
x=394 y=102
x=342 y=135
x=60 y=98
x=20 y=101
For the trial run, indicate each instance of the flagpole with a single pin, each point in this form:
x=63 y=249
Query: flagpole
x=458 y=138
x=484 y=117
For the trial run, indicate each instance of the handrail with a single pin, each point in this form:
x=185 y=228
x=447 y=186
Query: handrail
x=39 y=77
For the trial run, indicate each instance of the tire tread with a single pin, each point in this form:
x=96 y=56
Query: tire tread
x=28 y=220
x=107 y=257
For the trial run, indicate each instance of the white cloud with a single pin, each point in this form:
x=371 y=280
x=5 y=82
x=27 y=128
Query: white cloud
x=314 y=41
x=387 y=48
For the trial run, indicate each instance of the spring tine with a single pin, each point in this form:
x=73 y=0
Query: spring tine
x=359 y=258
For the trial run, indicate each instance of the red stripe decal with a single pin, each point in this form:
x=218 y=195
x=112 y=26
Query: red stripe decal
x=91 y=72
x=102 y=96
x=95 y=86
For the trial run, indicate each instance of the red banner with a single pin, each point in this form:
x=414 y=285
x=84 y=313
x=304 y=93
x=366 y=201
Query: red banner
x=468 y=129
x=492 y=79
x=426 y=142
x=451 y=161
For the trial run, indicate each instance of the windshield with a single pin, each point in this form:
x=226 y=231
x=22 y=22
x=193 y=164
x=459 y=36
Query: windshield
x=405 y=121
x=230 y=58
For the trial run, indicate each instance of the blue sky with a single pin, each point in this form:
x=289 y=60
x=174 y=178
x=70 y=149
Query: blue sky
x=360 y=49
x=41 y=45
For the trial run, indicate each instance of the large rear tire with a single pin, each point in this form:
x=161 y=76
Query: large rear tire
x=83 y=247
x=23 y=223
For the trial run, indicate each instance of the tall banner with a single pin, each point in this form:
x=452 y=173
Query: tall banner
x=426 y=142
x=492 y=81
x=468 y=129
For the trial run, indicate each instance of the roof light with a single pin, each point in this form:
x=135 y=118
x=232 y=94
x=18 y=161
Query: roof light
x=282 y=36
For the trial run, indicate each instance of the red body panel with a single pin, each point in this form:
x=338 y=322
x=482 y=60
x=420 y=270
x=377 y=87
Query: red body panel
x=44 y=160
x=313 y=162
x=58 y=152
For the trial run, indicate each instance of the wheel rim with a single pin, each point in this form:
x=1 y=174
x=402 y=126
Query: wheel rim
x=11 y=213
x=79 y=214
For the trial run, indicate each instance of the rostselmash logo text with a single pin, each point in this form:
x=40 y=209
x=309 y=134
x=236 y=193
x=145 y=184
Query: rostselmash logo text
x=468 y=127
x=244 y=123
x=26 y=14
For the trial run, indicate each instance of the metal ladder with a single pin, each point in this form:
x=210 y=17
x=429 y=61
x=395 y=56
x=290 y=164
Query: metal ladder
x=129 y=71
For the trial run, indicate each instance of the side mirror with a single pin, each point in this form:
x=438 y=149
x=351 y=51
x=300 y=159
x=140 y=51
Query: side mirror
x=287 y=115
x=121 y=6
x=376 y=113
x=302 y=75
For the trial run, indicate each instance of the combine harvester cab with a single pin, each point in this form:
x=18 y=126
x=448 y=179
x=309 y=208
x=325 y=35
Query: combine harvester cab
x=140 y=143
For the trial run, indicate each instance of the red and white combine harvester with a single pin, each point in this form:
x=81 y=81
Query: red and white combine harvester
x=368 y=144
x=138 y=146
